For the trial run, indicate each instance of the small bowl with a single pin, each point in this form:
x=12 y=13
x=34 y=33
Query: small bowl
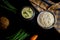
x=44 y=26
x=32 y=14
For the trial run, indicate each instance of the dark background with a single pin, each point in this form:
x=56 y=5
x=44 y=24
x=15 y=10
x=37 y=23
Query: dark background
x=17 y=22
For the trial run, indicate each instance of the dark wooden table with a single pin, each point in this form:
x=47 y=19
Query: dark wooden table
x=31 y=26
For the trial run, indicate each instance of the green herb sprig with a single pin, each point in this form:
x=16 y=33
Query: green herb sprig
x=20 y=35
x=8 y=6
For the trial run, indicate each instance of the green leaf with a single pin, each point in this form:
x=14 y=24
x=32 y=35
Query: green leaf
x=8 y=4
x=17 y=34
x=23 y=37
x=8 y=8
x=22 y=34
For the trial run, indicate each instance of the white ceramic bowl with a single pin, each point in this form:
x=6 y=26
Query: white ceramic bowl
x=53 y=20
